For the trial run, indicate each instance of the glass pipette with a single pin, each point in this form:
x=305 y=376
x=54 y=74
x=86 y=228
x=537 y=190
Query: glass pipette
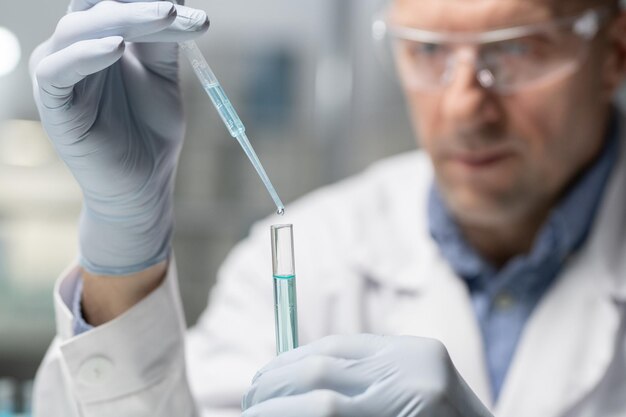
x=227 y=112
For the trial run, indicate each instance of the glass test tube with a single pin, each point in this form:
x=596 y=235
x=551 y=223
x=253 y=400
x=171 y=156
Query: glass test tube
x=285 y=302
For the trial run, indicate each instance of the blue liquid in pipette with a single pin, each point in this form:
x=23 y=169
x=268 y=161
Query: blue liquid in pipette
x=238 y=131
x=225 y=109
x=227 y=113
x=286 y=313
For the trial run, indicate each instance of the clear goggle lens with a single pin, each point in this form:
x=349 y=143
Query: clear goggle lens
x=504 y=60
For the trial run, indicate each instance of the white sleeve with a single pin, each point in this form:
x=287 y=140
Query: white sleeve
x=133 y=366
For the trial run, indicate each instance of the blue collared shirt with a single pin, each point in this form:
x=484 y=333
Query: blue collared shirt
x=503 y=299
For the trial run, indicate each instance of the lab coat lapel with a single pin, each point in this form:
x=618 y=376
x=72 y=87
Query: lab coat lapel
x=565 y=349
x=428 y=299
x=570 y=339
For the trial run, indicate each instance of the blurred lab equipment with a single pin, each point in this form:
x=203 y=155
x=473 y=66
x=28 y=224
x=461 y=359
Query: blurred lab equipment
x=11 y=51
x=7 y=397
x=15 y=397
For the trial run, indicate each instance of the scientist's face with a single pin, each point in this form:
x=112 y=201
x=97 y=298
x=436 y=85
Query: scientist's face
x=499 y=157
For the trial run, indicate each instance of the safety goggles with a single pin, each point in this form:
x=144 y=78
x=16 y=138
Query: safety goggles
x=504 y=60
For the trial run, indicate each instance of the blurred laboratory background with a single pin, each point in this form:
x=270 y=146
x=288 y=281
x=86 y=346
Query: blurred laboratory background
x=318 y=105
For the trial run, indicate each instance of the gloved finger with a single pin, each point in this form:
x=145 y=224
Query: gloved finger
x=339 y=346
x=189 y=24
x=313 y=404
x=79 y=5
x=110 y=18
x=162 y=58
x=57 y=74
x=344 y=376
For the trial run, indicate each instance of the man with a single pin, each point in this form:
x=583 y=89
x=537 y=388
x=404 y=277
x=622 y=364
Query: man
x=498 y=250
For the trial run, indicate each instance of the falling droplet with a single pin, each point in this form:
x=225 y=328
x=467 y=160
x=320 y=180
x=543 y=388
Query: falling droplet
x=281 y=211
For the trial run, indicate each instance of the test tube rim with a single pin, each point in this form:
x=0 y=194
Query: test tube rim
x=275 y=232
x=282 y=226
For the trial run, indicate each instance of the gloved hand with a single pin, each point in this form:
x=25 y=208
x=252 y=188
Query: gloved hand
x=106 y=86
x=364 y=376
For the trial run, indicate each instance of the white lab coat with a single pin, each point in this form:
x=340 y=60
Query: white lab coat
x=365 y=263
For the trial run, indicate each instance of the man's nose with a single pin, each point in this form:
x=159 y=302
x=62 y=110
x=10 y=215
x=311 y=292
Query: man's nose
x=467 y=104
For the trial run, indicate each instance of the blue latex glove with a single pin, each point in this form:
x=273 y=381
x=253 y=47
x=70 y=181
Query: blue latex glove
x=364 y=376
x=106 y=86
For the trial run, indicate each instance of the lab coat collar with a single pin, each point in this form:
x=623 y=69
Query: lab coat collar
x=570 y=339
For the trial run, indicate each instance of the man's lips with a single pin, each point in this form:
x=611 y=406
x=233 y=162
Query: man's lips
x=479 y=159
